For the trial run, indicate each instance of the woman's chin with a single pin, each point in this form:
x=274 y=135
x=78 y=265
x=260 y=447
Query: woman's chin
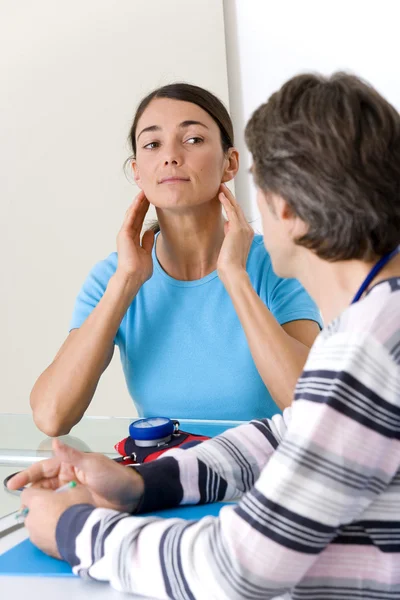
x=174 y=200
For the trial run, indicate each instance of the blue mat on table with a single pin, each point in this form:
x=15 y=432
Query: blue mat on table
x=25 y=559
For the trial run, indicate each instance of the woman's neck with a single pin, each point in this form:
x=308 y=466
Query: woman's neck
x=190 y=241
x=334 y=285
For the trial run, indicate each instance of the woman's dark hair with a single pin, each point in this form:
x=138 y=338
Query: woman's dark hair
x=331 y=148
x=196 y=95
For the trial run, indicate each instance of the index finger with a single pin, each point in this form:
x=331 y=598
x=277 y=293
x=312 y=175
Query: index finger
x=230 y=210
x=45 y=469
x=233 y=202
x=136 y=213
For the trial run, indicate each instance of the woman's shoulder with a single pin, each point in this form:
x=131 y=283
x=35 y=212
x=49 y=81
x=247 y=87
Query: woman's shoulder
x=103 y=270
x=259 y=259
x=258 y=240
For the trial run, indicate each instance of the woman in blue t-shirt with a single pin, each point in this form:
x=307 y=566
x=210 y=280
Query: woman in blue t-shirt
x=197 y=337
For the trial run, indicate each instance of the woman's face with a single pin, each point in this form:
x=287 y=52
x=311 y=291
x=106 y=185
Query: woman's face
x=179 y=158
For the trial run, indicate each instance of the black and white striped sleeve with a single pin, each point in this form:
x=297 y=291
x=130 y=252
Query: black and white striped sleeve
x=220 y=469
x=327 y=476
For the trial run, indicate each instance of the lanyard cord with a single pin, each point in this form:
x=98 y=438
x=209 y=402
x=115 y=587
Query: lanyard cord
x=374 y=271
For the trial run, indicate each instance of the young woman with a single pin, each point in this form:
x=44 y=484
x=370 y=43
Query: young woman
x=319 y=517
x=197 y=339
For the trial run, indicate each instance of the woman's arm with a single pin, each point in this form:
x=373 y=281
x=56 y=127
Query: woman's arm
x=279 y=351
x=65 y=389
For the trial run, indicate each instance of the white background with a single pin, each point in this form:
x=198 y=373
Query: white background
x=268 y=42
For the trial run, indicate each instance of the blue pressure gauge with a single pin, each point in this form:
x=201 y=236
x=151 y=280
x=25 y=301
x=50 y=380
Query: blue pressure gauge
x=153 y=431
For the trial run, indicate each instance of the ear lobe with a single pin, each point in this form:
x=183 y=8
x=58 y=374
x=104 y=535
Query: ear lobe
x=136 y=174
x=227 y=176
x=232 y=167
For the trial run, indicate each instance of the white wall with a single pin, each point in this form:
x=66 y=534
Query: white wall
x=268 y=42
x=71 y=74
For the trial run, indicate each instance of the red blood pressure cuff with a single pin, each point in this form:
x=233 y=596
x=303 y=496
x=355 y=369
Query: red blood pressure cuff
x=132 y=454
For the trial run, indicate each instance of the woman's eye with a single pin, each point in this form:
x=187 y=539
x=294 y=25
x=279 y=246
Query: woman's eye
x=194 y=140
x=151 y=145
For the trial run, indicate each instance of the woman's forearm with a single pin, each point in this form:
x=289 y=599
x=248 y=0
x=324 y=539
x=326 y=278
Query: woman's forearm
x=65 y=389
x=278 y=357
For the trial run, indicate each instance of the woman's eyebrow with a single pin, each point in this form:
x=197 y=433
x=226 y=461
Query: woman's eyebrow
x=188 y=123
x=182 y=125
x=151 y=128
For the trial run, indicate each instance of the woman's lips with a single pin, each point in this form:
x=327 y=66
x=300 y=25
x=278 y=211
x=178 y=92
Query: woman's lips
x=174 y=180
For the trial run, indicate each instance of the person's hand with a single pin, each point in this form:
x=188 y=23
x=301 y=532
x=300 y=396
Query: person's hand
x=134 y=259
x=109 y=484
x=45 y=509
x=238 y=237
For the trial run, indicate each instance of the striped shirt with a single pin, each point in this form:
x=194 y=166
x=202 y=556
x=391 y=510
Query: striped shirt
x=319 y=487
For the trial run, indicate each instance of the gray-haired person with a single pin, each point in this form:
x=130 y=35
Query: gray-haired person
x=320 y=486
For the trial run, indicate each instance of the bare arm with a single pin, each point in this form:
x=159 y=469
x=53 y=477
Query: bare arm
x=279 y=352
x=65 y=389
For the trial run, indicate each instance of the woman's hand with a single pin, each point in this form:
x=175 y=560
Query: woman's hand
x=134 y=259
x=238 y=238
x=107 y=483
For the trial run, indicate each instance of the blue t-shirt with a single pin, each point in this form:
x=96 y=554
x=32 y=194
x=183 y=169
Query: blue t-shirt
x=183 y=350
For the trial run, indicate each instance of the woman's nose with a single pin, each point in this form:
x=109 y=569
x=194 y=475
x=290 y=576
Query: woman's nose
x=172 y=155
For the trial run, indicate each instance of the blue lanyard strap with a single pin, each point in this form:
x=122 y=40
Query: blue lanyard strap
x=374 y=271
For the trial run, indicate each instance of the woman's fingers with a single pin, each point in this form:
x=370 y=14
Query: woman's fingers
x=227 y=204
x=227 y=192
x=148 y=240
x=138 y=219
x=67 y=454
x=48 y=473
x=47 y=484
x=230 y=205
x=45 y=469
x=234 y=204
x=134 y=217
x=137 y=200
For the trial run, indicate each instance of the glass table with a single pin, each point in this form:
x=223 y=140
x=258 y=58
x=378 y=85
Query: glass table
x=22 y=444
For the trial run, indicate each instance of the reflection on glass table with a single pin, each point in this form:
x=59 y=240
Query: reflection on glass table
x=22 y=444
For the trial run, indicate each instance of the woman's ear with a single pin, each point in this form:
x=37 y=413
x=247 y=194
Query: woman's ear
x=136 y=174
x=231 y=165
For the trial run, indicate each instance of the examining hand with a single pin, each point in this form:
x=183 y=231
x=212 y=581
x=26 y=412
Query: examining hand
x=238 y=237
x=134 y=259
x=107 y=483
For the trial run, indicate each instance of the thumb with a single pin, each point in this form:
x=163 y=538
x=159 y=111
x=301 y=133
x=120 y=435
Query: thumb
x=148 y=240
x=67 y=453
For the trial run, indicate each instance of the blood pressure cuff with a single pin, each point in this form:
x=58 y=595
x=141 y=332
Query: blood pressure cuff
x=132 y=454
